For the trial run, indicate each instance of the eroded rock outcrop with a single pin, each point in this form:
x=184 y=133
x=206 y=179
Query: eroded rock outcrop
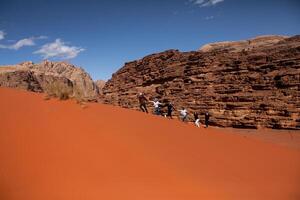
x=100 y=84
x=248 y=84
x=48 y=77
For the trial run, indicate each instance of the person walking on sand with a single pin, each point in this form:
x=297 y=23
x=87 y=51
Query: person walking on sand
x=156 y=105
x=183 y=114
x=206 y=119
x=142 y=101
x=197 y=120
x=170 y=109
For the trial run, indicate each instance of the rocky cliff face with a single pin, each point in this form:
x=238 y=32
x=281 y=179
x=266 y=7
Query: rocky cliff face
x=247 y=84
x=100 y=84
x=48 y=77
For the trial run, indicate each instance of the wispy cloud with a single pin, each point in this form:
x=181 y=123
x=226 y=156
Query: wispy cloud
x=206 y=3
x=20 y=43
x=2 y=35
x=58 y=49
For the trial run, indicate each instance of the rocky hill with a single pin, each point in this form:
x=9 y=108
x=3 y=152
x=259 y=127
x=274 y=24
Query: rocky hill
x=50 y=77
x=247 y=84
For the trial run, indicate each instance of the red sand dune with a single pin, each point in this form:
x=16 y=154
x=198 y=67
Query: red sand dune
x=56 y=150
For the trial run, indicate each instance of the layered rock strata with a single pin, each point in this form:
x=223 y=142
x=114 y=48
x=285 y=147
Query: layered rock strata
x=246 y=85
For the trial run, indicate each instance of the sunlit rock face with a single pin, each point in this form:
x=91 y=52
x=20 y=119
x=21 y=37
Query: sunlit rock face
x=247 y=84
x=41 y=77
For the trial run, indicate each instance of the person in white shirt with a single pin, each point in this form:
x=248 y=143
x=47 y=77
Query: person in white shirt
x=156 y=105
x=197 y=120
x=183 y=114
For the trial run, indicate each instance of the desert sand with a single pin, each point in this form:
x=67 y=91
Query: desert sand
x=58 y=150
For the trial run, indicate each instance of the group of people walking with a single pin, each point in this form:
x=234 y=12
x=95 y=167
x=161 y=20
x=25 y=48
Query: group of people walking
x=170 y=108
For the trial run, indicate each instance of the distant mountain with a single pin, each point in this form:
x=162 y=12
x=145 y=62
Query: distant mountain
x=50 y=77
x=243 y=45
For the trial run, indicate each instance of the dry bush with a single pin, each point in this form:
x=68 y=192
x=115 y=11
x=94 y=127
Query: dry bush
x=79 y=100
x=83 y=106
x=47 y=97
x=78 y=95
x=59 y=90
x=63 y=92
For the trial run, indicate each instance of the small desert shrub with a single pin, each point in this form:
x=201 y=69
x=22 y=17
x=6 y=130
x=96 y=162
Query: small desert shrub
x=83 y=106
x=47 y=97
x=78 y=95
x=63 y=96
x=59 y=90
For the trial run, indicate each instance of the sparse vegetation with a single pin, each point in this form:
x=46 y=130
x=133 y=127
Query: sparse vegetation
x=83 y=105
x=59 y=90
x=63 y=92
x=47 y=97
x=78 y=95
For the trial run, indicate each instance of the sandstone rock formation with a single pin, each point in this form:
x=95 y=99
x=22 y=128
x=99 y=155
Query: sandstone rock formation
x=20 y=79
x=242 y=84
x=100 y=84
x=244 y=45
x=48 y=77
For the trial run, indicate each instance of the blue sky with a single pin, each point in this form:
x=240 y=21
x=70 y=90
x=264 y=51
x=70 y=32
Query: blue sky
x=101 y=36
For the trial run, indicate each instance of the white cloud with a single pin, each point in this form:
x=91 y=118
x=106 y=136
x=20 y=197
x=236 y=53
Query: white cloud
x=58 y=49
x=2 y=35
x=21 y=43
x=206 y=3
